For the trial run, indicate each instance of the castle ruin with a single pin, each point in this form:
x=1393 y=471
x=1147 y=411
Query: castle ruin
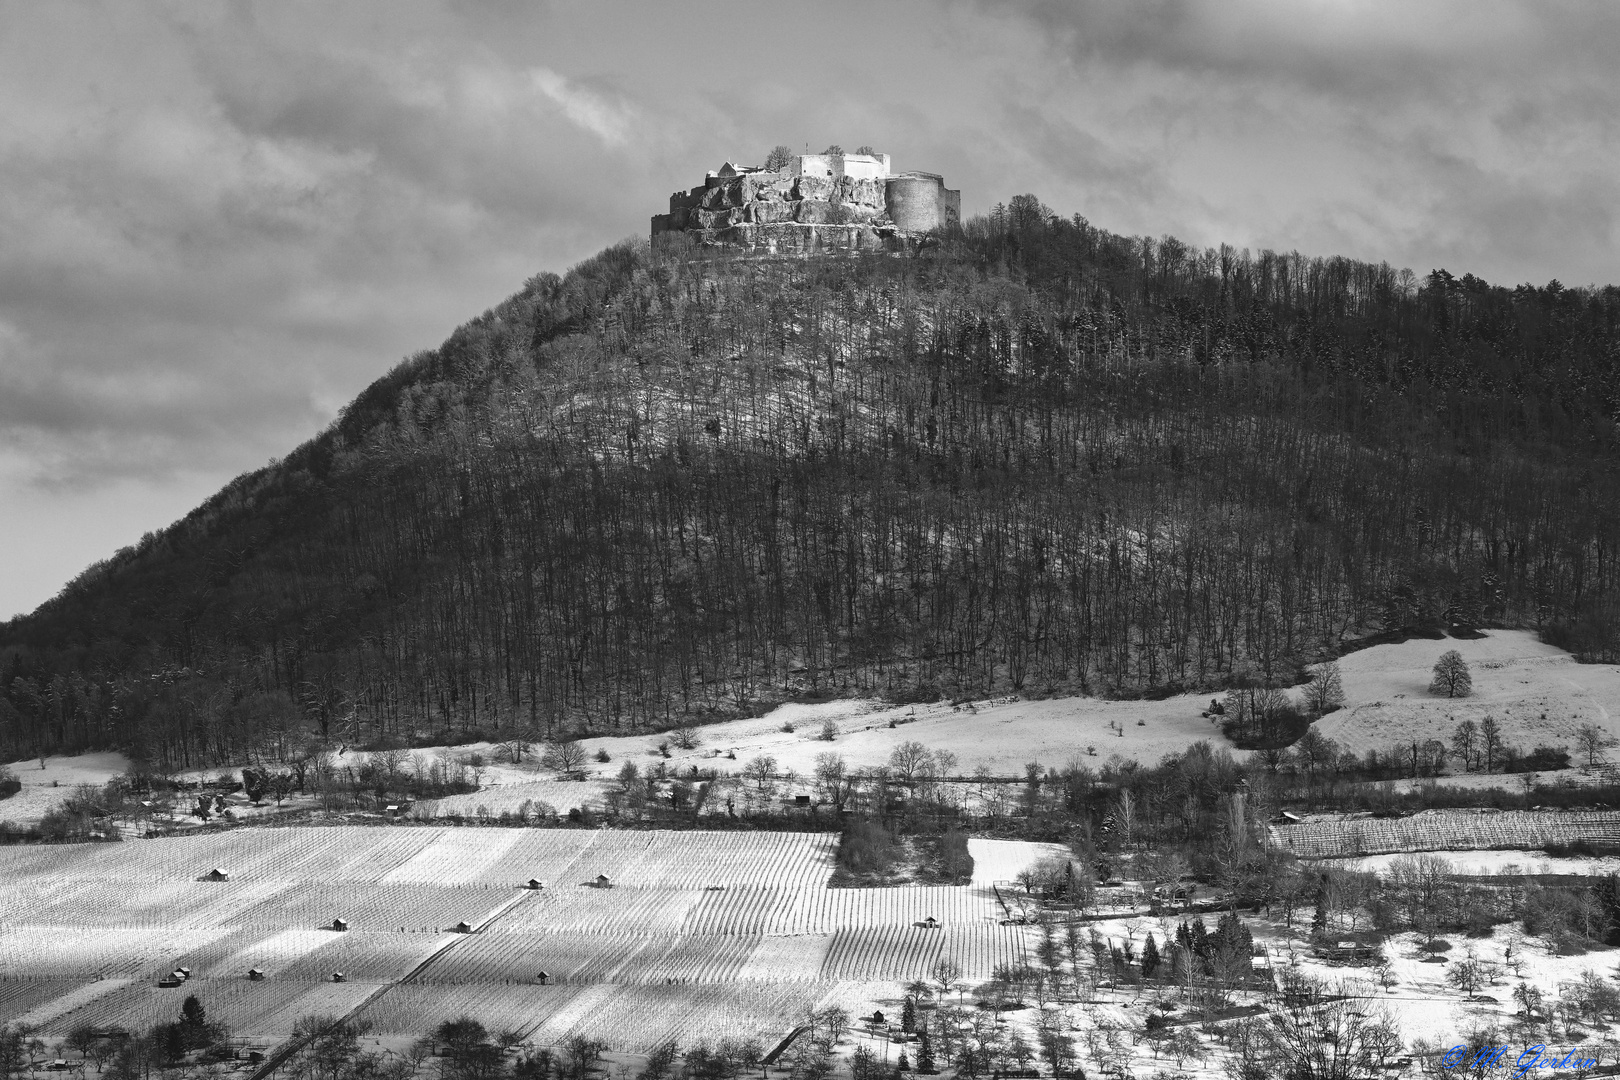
x=818 y=202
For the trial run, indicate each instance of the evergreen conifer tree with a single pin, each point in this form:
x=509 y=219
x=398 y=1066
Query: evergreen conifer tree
x=1150 y=958
x=1199 y=935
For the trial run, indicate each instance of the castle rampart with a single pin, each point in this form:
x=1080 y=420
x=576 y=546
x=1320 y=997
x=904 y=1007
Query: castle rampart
x=825 y=192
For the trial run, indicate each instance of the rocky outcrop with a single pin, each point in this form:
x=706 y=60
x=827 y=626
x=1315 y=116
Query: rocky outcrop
x=770 y=198
x=796 y=239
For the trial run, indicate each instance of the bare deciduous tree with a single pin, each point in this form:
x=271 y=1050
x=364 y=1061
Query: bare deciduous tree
x=760 y=770
x=1593 y=740
x=1325 y=691
x=567 y=758
x=908 y=759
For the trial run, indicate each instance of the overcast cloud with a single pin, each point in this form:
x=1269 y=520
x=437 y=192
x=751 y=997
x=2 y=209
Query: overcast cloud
x=219 y=221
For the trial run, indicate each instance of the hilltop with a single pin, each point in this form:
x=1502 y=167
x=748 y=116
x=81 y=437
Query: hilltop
x=1037 y=458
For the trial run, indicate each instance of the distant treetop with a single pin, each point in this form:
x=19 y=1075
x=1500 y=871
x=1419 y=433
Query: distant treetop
x=866 y=150
x=833 y=149
x=779 y=158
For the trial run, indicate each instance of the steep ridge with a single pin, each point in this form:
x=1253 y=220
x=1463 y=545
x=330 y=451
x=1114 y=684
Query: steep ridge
x=1039 y=458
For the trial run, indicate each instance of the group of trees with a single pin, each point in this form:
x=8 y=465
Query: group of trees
x=189 y=1038
x=1422 y=893
x=1576 y=1017
x=1316 y=758
x=1045 y=459
x=971 y=1039
x=1316 y=1032
x=332 y=1048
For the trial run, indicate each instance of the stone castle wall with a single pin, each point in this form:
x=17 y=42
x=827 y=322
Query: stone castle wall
x=859 y=166
x=912 y=203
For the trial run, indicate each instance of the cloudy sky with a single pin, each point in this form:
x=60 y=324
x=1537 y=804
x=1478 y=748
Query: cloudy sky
x=218 y=221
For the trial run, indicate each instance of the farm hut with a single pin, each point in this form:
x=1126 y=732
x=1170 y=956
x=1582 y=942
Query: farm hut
x=801 y=800
x=255 y=975
x=931 y=923
x=1347 y=952
x=340 y=924
x=535 y=883
x=183 y=972
x=877 y=1016
x=391 y=809
x=338 y=976
x=543 y=978
x=462 y=928
x=1287 y=817
x=603 y=881
x=216 y=874
x=169 y=982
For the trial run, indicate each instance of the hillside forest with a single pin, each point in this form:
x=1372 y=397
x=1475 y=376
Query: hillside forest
x=1031 y=457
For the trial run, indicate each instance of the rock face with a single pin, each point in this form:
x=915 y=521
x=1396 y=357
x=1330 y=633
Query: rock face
x=793 y=211
x=798 y=239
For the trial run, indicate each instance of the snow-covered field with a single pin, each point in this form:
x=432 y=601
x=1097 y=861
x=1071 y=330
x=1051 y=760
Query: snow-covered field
x=1001 y=734
x=1516 y=678
x=1425 y=1006
x=1002 y=860
x=700 y=932
x=45 y=788
x=1537 y=693
x=507 y=796
x=1493 y=862
x=1345 y=835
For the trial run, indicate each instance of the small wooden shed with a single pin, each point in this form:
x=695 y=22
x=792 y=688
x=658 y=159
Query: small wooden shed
x=338 y=976
x=216 y=874
x=931 y=923
x=543 y=978
x=534 y=883
x=340 y=924
x=255 y=975
x=603 y=881
x=462 y=928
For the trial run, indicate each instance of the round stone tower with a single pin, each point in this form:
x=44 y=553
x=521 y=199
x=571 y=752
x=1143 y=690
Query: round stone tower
x=916 y=201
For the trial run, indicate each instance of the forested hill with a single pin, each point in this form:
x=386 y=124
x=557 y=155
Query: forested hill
x=1036 y=458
